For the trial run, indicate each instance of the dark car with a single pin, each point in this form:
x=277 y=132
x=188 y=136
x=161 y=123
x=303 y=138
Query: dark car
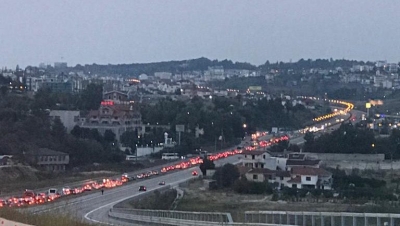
x=142 y=188
x=161 y=183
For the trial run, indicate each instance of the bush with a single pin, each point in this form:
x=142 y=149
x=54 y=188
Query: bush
x=243 y=186
x=226 y=175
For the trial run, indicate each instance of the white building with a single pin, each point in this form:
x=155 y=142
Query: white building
x=163 y=75
x=69 y=118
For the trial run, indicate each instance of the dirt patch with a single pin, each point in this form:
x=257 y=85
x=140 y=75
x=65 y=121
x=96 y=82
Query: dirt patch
x=198 y=198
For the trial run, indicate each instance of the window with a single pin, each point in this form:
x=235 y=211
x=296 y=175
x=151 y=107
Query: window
x=245 y=156
x=253 y=156
x=308 y=178
x=255 y=176
x=263 y=156
x=294 y=185
x=76 y=118
x=281 y=178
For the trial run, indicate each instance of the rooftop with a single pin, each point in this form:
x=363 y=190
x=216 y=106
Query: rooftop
x=310 y=171
x=45 y=151
x=295 y=180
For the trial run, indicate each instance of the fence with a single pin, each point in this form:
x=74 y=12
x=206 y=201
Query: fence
x=322 y=218
x=181 y=218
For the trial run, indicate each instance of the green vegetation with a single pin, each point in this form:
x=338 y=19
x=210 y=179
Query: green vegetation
x=243 y=186
x=226 y=175
x=25 y=126
x=156 y=200
x=354 y=139
x=47 y=219
x=207 y=164
x=221 y=119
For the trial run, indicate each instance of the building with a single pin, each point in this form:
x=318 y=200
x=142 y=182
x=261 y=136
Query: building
x=47 y=159
x=310 y=178
x=69 y=118
x=298 y=177
x=163 y=75
x=298 y=159
x=258 y=159
x=116 y=96
x=112 y=116
x=57 y=86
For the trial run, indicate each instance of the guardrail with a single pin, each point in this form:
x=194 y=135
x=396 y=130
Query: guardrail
x=322 y=218
x=181 y=218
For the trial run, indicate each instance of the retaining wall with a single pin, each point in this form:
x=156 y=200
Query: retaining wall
x=332 y=157
x=4 y=222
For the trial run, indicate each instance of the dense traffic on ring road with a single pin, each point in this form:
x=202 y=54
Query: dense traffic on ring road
x=30 y=197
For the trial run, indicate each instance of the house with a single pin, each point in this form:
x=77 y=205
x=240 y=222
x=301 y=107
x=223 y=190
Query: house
x=47 y=159
x=258 y=159
x=310 y=178
x=298 y=177
x=300 y=159
x=271 y=176
x=116 y=96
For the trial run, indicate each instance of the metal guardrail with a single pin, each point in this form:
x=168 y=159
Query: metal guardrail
x=161 y=217
x=322 y=218
x=181 y=215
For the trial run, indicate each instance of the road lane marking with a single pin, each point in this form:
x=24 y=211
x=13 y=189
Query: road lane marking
x=123 y=199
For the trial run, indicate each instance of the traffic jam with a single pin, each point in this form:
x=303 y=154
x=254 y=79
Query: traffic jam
x=30 y=197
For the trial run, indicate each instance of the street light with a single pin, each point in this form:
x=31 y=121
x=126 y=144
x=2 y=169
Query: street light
x=244 y=126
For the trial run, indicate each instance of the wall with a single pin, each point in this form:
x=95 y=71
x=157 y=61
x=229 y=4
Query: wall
x=67 y=118
x=4 y=222
x=327 y=157
x=142 y=151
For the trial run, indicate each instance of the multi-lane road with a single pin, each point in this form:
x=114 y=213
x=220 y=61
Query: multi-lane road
x=94 y=207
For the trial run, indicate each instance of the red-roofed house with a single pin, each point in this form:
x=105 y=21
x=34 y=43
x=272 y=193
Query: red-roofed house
x=311 y=178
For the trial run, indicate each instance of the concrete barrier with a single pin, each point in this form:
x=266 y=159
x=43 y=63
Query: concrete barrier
x=333 y=157
x=5 y=222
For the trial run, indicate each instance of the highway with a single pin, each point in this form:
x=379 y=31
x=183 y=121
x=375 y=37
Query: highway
x=94 y=207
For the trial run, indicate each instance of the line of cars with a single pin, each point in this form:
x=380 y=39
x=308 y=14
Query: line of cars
x=29 y=197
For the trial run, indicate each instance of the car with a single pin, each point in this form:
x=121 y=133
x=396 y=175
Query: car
x=161 y=183
x=87 y=187
x=66 y=191
x=155 y=172
x=3 y=203
x=142 y=188
x=194 y=173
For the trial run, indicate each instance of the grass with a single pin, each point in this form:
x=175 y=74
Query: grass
x=47 y=219
x=156 y=200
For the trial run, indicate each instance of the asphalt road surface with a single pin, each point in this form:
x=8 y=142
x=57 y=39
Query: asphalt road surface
x=94 y=207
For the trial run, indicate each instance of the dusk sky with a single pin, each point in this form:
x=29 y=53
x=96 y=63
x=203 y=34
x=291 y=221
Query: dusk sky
x=132 y=31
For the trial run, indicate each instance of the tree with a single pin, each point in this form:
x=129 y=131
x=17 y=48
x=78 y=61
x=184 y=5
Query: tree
x=207 y=164
x=109 y=136
x=58 y=129
x=226 y=175
x=91 y=97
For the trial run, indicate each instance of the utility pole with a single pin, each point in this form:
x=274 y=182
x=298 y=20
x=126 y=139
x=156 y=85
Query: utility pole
x=222 y=137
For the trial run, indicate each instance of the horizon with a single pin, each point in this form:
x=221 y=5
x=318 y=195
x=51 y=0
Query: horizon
x=125 y=32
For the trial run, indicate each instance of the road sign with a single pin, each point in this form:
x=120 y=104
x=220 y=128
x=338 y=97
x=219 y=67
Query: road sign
x=180 y=128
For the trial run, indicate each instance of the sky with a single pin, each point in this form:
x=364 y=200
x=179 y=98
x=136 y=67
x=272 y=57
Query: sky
x=136 y=31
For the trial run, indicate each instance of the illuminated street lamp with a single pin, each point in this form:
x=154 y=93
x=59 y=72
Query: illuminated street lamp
x=244 y=126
